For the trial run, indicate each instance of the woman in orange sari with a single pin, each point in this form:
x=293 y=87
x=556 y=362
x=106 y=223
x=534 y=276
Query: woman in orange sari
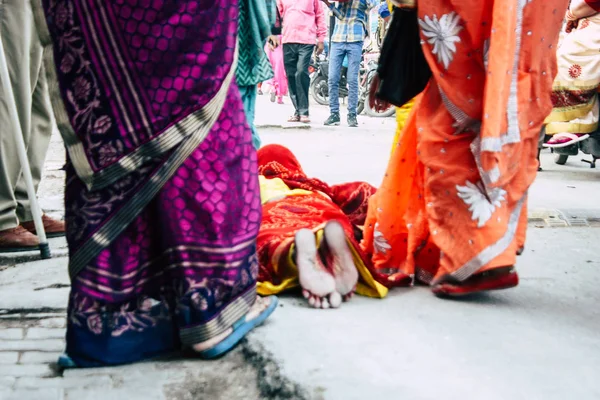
x=451 y=211
x=308 y=234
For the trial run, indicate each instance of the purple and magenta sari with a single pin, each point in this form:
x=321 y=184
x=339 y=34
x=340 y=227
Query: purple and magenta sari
x=162 y=196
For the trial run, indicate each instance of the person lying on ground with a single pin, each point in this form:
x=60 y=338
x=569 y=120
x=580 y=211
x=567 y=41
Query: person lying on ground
x=309 y=234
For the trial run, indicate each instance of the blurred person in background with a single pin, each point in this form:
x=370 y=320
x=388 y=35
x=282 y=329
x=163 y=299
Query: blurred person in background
x=304 y=28
x=257 y=23
x=347 y=41
x=575 y=92
x=24 y=58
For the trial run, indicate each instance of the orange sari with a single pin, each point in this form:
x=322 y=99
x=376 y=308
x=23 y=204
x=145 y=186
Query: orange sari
x=453 y=200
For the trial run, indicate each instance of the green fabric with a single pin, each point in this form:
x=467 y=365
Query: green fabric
x=256 y=18
x=261 y=20
x=249 y=99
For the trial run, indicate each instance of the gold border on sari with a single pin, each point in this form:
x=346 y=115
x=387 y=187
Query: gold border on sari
x=570 y=127
x=123 y=217
x=224 y=320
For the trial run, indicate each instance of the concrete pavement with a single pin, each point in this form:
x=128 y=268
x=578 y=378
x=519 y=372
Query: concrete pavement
x=538 y=341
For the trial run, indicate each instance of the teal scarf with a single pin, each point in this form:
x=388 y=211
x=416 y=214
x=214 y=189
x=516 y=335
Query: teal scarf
x=256 y=19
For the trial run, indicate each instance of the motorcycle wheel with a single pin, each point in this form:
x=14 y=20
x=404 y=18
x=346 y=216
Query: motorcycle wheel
x=319 y=89
x=360 y=108
x=561 y=159
x=372 y=113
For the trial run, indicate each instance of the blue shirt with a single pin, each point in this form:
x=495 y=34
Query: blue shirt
x=353 y=27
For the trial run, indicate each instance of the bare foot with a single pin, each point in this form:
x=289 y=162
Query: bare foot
x=344 y=270
x=318 y=285
x=260 y=305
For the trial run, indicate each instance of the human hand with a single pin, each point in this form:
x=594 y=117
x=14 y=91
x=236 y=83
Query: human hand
x=572 y=21
x=320 y=48
x=374 y=102
x=274 y=42
x=570 y=26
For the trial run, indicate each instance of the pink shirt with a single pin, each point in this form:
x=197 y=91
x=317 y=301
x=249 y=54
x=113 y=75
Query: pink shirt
x=303 y=21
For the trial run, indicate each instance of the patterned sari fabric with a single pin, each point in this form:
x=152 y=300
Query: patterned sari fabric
x=453 y=200
x=299 y=202
x=162 y=196
x=575 y=90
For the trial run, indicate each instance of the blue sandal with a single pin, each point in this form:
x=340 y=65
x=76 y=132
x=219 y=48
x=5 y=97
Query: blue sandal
x=240 y=329
x=64 y=361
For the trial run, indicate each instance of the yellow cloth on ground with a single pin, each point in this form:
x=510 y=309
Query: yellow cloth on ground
x=275 y=189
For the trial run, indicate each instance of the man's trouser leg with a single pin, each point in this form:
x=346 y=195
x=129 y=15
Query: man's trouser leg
x=336 y=59
x=39 y=141
x=305 y=52
x=290 y=61
x=354 y=57
x=23 y=56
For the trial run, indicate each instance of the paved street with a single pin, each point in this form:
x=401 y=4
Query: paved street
x=538 y=341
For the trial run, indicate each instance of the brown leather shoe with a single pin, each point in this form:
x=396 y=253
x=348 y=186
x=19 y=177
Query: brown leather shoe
x=17 y=239
x=54 y=228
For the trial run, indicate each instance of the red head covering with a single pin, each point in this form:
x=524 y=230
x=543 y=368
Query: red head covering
x=276 y=161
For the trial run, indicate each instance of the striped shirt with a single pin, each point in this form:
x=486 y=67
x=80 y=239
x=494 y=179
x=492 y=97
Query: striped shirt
x=353 y=27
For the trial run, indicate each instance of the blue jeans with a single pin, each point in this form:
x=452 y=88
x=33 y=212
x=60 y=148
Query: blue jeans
x=337 y=54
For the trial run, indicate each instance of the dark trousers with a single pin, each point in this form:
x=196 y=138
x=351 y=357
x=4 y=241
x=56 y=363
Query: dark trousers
x=296 y=58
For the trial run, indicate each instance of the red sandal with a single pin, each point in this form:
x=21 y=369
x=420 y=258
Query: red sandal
x=496 y=279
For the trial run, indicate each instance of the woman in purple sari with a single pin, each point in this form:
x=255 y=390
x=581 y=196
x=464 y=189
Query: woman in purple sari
x=162 y=196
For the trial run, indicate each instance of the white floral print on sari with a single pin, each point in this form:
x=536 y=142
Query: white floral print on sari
x=481 y=207
x=442 y=34
x=380 y=243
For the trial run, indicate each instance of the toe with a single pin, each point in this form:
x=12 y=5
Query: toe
x=306 y=294
x=324 y=303
x=312 y=301
x=335 y=300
